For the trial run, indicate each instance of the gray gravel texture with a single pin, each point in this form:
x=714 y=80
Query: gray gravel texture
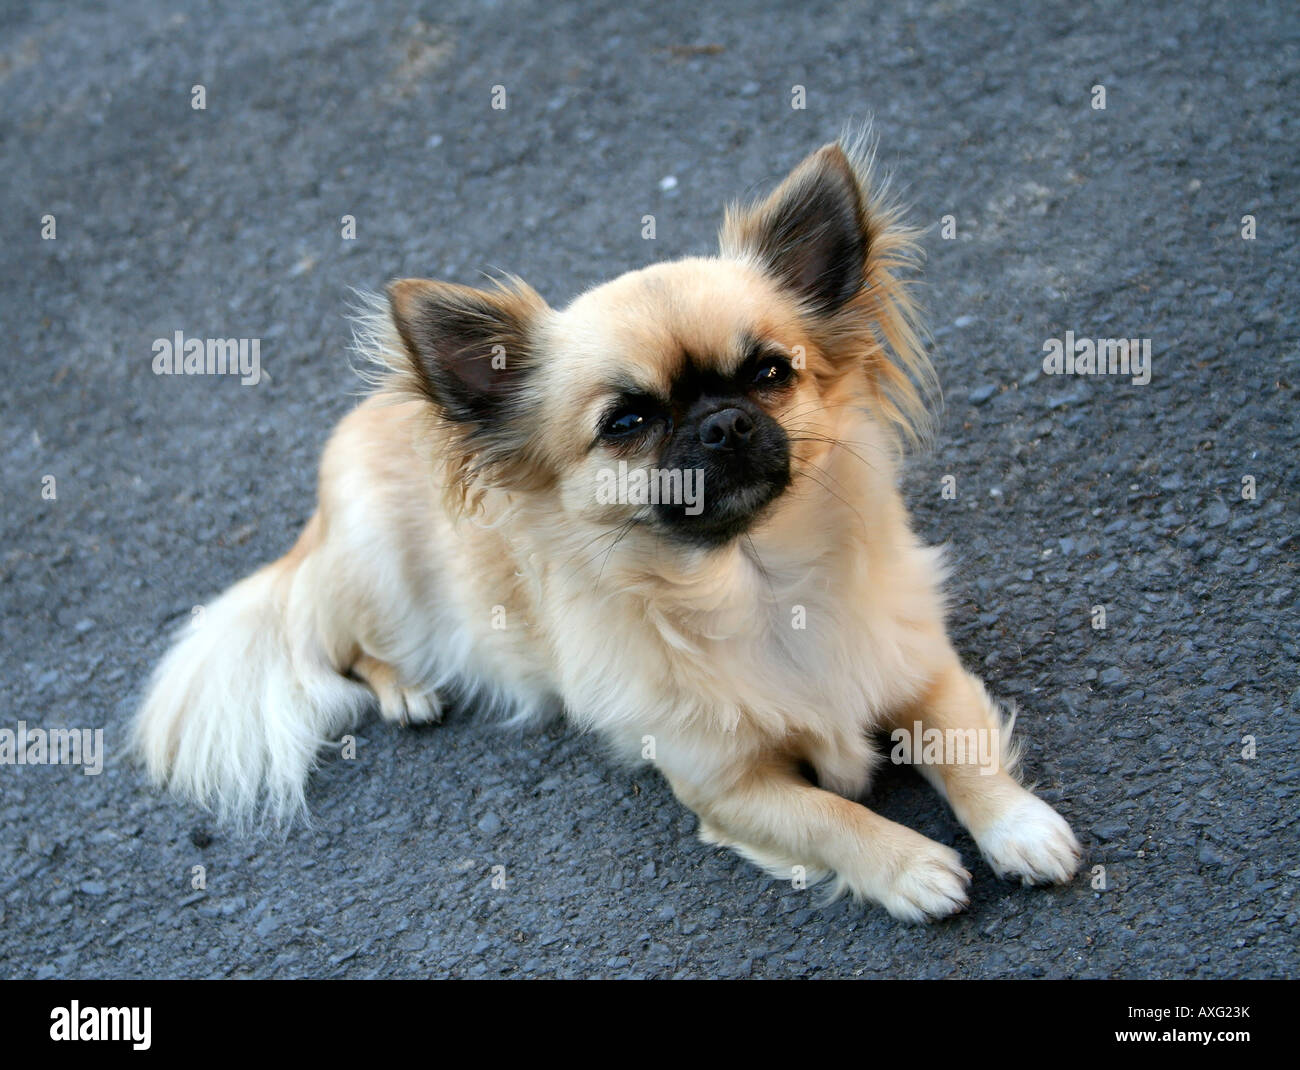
x=1072 y=492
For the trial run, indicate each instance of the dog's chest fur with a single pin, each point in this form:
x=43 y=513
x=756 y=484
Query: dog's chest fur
x=740 y=653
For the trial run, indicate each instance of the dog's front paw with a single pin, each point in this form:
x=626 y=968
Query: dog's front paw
x=421 y=707
x=928 y=883
x=1033 y=842
x=397 y=703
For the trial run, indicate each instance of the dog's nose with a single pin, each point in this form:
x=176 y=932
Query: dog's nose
x=726 y=429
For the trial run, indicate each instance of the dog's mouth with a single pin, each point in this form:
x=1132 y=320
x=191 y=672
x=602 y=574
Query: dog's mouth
x=725 y=515
x=734 y=458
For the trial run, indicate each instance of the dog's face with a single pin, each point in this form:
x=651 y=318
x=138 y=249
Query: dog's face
x=685 y=399
x=670 y=396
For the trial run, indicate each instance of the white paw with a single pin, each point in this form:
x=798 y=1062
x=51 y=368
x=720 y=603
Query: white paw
x=397 y=703
x=930 y=884
x=1033 y=842
x=413 y=707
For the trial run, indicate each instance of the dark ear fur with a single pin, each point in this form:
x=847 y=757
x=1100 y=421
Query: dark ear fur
x=470 y=350
x=811 y=233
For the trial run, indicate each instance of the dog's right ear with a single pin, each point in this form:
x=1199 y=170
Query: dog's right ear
x=811 y=233
x=470 y=351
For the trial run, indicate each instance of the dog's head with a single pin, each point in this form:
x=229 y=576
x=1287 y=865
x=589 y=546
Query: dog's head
x=688 y=398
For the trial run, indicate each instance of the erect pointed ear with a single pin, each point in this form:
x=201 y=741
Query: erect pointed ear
x=811 y=233
x=470 y=350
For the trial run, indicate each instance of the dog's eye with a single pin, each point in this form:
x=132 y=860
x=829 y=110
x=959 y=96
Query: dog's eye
x=628 y=422
x=772 y=371
x=630 y=419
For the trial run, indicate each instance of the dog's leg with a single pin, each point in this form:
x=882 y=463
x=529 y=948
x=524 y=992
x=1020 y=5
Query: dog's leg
x=1019 y=834
x=405 y=705
x=778 y=820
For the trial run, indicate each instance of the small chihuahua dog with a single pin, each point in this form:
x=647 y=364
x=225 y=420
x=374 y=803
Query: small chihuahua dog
x=506 y=521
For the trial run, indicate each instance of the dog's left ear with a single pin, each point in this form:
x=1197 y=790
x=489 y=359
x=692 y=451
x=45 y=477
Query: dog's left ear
x=471 y=351
x=811 y=233
x=472 y=355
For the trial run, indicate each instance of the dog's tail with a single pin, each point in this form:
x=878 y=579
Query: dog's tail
x=240 y=707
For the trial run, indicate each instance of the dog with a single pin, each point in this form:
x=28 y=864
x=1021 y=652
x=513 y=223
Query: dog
x=484 y=535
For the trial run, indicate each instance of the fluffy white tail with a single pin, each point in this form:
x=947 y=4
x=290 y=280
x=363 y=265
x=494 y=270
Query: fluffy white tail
x=241 y=705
